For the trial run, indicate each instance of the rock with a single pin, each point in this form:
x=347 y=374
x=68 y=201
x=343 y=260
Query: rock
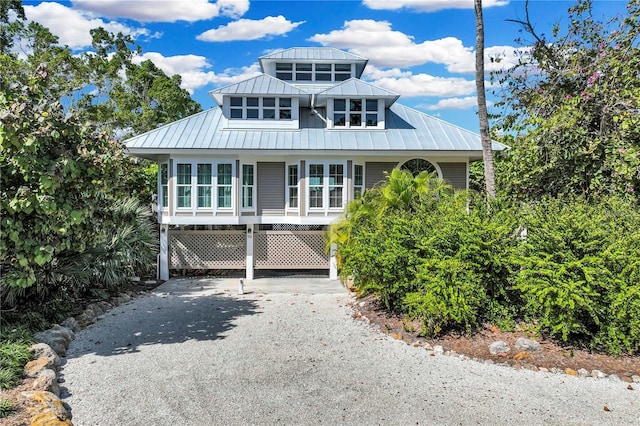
x=151 y=282
x=527 y=345
x=427 y=346
x=571 y=372
x=614 y=377
x=33 y=368
x=597 y=374
x=635 y=378
x=583 y=373
x=58 y=337
x=451 y=353
x=489 y=362
x=438 y=349
x=498 y=347
x=64 y=331
x=48 y=411
x=397 y=336
x=556 y=370
x=47 y=380
x=543 y=369
x=42 y=350
x=86 y=318
x=71 y=324
x=626 y=379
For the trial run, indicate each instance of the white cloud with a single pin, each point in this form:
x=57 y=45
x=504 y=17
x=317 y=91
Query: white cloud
x=72 y=27
x=194 y=70
x=467 y=102
x=371 y=72
x=249 y=29
x=429 y=5
x=385 y=47
x=163 y=10
x=427 y=85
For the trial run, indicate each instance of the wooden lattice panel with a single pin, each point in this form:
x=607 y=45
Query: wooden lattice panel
x=290 y=250
x=207 y=249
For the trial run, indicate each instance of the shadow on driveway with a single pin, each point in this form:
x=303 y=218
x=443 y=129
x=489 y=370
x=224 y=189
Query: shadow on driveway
x=177 y=311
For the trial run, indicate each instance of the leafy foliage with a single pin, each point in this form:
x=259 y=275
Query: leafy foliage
x=571 y=108
x=14 y=354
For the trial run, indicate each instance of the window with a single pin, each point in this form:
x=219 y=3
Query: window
x=247 y=185
x=292 y=186
x=336 y=180
x=313 y=72
x=283 y=71
x=358 y=180
x=164 y=185
x=236 y=107
x=204 y=185
x=323 y=72
x=355 y=113
x=343 y=72
x=183 y=185
x=316 y=176
x=326 y=186
x=255 y=108
x=303 y=72
x=419 y=165
x=224 y=185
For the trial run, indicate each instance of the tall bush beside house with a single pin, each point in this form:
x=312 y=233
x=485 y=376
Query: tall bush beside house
x=579 y=269
x=58 y=187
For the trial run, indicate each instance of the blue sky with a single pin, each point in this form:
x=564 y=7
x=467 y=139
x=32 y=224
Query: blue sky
x=421 y=49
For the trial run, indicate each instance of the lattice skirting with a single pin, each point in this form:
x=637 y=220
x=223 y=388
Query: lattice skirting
x=290 y=250
x=207 y=249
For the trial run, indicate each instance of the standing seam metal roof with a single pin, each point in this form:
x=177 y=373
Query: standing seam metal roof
x=407 y=130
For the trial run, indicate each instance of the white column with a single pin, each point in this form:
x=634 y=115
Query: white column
x=333 y=263
x=164 y=252
x=249 y=259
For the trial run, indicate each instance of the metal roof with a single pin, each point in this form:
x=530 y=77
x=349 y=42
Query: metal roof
x=357 y=87
x=263 y=84
x=314 y=53
x=406 y=130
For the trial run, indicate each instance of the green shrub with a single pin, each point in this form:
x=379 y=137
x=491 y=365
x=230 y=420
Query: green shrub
x=7 y=407
x=14 y=354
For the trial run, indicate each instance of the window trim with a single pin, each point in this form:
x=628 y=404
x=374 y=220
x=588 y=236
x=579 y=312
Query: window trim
x=218 y=185
x=347 y=112
x=354 y=185
x=253 y=186
x=326 y=186
x=183 y=185
x=289 y=187
x=163 y=199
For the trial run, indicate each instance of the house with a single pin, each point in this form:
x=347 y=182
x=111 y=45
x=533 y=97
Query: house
x=254 y=183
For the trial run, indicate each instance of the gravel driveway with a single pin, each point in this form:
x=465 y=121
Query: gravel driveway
x=194 y=352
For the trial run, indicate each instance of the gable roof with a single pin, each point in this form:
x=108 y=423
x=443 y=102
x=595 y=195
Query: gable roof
x=408 y=131
x=357 y=87
x=263 y=85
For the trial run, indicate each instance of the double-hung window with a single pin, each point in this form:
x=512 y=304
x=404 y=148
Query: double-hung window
x=224 y=185
x=183 y=185
x=204 y=182
x=326 y=185
x=316 y=186
x=164 y=185
x=247 y=186
x=358 y=180
x=292 y=186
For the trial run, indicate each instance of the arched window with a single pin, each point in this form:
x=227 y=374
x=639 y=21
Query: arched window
x=418 y=165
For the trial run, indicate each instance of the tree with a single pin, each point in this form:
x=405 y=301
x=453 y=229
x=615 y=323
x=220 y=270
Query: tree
x=485 y=137
x=571 y=108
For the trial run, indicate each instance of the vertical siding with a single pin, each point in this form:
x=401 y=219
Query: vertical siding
x=271 y=188
x=374 y=173
x=455 y=174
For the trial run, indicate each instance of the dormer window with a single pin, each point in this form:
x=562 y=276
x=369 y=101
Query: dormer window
x=259 y=108
x=355 y=113
x=323 y=72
